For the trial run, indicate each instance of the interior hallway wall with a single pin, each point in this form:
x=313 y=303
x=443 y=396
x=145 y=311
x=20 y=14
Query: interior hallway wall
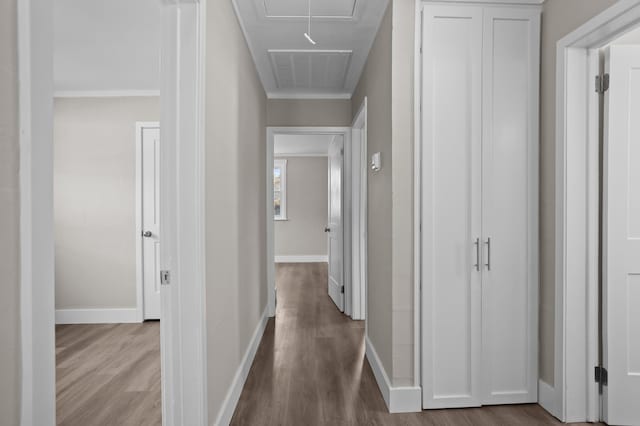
x=9 y=218
x=309 y=112
x=559 y=18
x=94 y=199
x=235 y=194
x=375 y=84
x=302 y=234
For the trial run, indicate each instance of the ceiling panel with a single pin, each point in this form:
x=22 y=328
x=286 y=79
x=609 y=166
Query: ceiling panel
x=291 y=67
x=310 y=69
x=300 y=8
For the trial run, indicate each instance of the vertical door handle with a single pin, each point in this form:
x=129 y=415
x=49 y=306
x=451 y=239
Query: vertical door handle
x=488 y=264
x=477 y=264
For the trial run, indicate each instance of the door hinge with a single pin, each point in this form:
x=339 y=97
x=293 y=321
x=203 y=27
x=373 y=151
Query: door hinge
x=601 y=376
x=342 y=289
x=165 y=277
x=602 y=83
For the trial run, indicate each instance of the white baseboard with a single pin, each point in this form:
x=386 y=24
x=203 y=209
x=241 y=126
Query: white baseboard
x=233 y=395
x=96 y=316
x=319 y=258
x=399 y=399
x=549 y=399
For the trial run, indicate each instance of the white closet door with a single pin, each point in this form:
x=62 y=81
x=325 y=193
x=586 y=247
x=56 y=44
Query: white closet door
x=510 y=206
x=621 y=240
x=451 y=209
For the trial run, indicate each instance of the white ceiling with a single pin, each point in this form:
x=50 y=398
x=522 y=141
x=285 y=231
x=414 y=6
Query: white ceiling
x=109 y=45
x=301 y=145
x=291 y=67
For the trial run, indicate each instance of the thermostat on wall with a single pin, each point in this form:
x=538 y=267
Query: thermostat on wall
x=375 y=162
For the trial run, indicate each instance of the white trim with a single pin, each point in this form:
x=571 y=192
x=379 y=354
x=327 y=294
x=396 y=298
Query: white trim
x=140 y=125
x=105 y=93
x=417 y=196
x=233 y=395
x=319 y=258
x=96 y=316
x=276 y=95
x=360 y=171
x=37 y=352
x=576 y=210
x=548 y=398
x=183 y=325
x=271 y=133
x=400 y=399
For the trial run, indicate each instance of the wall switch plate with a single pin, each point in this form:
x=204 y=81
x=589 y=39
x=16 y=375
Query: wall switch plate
x=376 y=162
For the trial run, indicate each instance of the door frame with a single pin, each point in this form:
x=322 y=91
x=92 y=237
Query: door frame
x=183 y=329
x=347 y=225
x=359 y=238
x=140 y=126
x=574 y=396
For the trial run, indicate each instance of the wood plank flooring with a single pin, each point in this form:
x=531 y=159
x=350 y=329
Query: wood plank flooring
x=310 y=369
x=108 y=374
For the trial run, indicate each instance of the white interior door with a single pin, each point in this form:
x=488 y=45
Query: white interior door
x=451 y=206
x=621 y=238
x=151 y=222
x=509 y=199
x=334 y=227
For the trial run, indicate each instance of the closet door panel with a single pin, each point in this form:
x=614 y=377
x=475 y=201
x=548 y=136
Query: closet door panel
x=510 y=208
x=451 y=209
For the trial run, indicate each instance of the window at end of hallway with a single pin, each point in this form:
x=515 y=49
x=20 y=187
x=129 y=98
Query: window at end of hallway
x=280 y=189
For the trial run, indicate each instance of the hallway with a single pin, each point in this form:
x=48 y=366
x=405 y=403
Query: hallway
x=310 y=369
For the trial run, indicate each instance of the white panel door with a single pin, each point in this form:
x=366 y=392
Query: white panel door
x=451 y=205
x=621 y=239
x=334 y=227
x=151 y=222
x=510 y=208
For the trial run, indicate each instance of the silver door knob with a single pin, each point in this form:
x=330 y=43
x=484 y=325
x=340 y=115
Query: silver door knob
x=147 y=234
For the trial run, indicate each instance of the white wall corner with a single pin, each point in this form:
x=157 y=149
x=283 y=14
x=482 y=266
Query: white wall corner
x=233 y=395
x=320 y=258
x=97 y=316
x=550 y=399
x=403 y=399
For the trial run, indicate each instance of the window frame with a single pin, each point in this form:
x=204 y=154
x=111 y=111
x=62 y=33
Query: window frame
x=281 y=163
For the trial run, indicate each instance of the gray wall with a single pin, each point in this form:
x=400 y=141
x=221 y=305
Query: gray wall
x=375 y=83
x=302 y=234
x=235 y=194
x=305 y=112
x=559 y=17
x=9 y=219
x=94 y=199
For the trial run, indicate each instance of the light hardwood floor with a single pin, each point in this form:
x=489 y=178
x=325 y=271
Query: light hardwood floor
x=310 y=369
x=108 y=374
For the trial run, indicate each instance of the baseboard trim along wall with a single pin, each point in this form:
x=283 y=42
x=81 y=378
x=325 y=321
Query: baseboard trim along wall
x=96 y=316
x=319 y=258
x=233 y=395
x=548 y=399
x=399 y=399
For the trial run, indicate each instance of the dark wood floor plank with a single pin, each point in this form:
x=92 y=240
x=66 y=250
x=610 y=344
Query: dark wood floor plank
x=310 y=369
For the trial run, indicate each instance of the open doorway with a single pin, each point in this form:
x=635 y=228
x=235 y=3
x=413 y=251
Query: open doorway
x=315 y=214
x=107 y=204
